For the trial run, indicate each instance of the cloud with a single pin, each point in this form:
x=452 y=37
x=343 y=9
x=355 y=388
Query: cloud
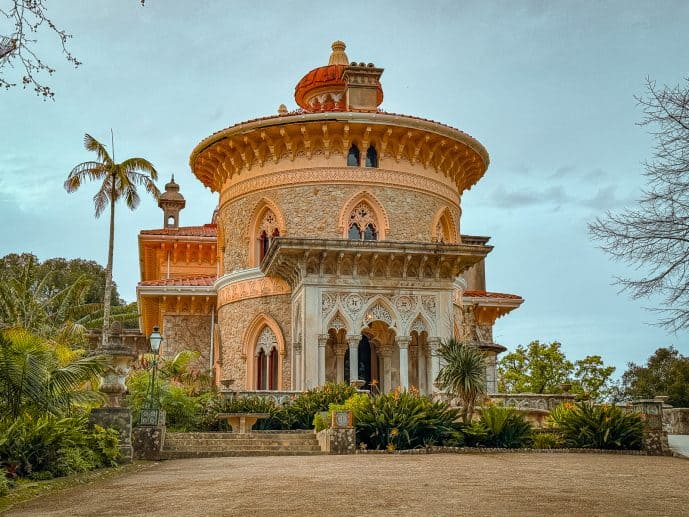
x=554 y=195
x=606 y=198
x=25 y=183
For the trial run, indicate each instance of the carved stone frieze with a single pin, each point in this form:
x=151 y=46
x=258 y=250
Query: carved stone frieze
x=253 y=288
x=429 y=305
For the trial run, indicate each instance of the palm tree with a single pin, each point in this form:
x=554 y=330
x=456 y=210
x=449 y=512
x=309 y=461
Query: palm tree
x=464 y=374
x=119 y=181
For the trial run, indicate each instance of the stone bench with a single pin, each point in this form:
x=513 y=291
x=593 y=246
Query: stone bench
x=241 y=422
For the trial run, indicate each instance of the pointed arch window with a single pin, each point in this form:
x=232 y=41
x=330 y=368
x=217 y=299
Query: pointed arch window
x=267 y=361
x=353 y=157
x=362 y=223
x=268 y=230
x=371 y=157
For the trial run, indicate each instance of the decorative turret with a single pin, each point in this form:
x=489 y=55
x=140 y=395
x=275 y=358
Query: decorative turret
x=171 y=201
x=340 y=86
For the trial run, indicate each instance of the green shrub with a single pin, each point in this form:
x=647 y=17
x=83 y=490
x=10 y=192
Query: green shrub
x=591 y=426
x=49 y=446
x=300 y=413
x=404 y=420
x=4 y=484
x=355 y=404
x=546 y=440
x=105 y=443
x=505 y=427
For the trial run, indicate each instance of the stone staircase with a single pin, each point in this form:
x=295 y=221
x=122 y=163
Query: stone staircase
x=257 y=443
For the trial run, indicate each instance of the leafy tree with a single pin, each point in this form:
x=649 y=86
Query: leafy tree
x=119 y=181
x=543 y=368
x=43 y=297
x=28 y=300
x=63 y=272
x=666 y=373
x=37 y=377
x=653 y=237
x=464 y=374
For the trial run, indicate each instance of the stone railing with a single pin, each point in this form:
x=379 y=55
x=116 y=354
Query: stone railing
x=540 y=401
x=279 y=397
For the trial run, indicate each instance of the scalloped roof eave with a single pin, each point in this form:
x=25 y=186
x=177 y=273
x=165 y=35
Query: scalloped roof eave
x=351 y=116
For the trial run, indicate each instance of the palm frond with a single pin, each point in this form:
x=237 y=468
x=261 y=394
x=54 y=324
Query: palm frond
x=91 y=144
x=132 y=165
x=84 y=171
x=102 y=198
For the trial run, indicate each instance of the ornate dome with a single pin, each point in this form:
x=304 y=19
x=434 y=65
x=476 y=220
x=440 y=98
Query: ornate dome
x=324 y=88
x=171 y=192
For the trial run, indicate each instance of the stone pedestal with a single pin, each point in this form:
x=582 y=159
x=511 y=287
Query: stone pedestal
x=147 y=442
x=119 y=418
x=655 y=438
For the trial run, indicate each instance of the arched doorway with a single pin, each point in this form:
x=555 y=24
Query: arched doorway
x=366 y=357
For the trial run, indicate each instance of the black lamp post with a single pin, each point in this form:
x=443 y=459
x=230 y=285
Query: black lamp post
x=151 y=414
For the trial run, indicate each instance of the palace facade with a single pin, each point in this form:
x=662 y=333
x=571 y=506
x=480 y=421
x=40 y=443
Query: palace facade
x=335 y=252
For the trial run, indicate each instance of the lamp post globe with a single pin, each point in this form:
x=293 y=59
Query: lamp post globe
x=155 y=339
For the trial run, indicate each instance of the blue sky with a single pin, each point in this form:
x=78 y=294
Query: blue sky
x=548 y=87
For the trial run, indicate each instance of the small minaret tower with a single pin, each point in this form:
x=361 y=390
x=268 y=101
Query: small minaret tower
x=171 y=201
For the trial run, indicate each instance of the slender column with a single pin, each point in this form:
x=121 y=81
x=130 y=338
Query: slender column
x=353 y=342
x=296 y=383
x=340 y=350
x=423 y=374
x=433 y=344
x=491 y=384
x=322 y=341
x=403 y=344
x=386 y=353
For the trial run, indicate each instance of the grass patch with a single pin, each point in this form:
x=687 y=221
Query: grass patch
x=27 y=489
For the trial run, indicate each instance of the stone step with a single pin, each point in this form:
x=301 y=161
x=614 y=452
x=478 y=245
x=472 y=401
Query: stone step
x=192 y=448
x=175 y=455
x=238 y=443
x=244 y=436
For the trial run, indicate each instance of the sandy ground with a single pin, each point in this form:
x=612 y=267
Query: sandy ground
x=439 y=484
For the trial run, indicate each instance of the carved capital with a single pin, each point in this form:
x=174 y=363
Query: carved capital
x=403 y=341
x=322 y=340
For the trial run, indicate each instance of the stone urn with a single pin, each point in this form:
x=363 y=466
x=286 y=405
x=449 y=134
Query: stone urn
x=121 y=357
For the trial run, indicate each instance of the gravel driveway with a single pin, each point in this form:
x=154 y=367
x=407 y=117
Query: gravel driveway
x=438 y=484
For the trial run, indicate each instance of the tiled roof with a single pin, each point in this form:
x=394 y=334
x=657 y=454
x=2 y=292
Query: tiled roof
x=300 y=111
x=486 y=294
x=189 y=281
x=207 y=230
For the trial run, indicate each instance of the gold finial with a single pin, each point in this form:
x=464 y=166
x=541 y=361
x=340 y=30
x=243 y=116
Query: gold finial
x=282 y=109
x=338 y=57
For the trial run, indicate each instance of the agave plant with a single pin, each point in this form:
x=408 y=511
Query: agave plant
x=593 y=426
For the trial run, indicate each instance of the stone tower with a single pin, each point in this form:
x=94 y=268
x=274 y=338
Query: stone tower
x=171 y=201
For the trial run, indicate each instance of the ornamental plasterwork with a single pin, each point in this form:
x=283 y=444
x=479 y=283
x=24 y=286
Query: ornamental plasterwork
x=418 y=326
x=254 y=288
x=380 y=313
x=353 y=304
x=362 y=216
x=405 y=305
x=269 y=223
x=440 y=232
x=337 y=323
x=327 y=303
x=429 y=305
x=484 y=333
x=266 y=341
x=344 y=175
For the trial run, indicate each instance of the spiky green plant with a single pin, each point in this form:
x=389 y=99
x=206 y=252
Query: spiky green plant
x=592 y=426
x=464 y=374
x=505 y=427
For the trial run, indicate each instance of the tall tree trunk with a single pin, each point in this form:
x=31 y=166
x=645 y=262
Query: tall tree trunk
x=108 y=268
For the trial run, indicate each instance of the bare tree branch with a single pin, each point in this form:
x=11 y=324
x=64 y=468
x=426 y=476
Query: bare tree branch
x=654 y=237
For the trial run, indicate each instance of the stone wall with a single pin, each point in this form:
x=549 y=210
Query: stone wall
x=676 y=420
x=235 y=318
x=314 y=211
x=187 y=332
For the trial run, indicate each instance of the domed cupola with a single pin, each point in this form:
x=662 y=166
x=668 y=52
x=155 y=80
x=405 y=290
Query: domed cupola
x=340 y=86
x=172 y=202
